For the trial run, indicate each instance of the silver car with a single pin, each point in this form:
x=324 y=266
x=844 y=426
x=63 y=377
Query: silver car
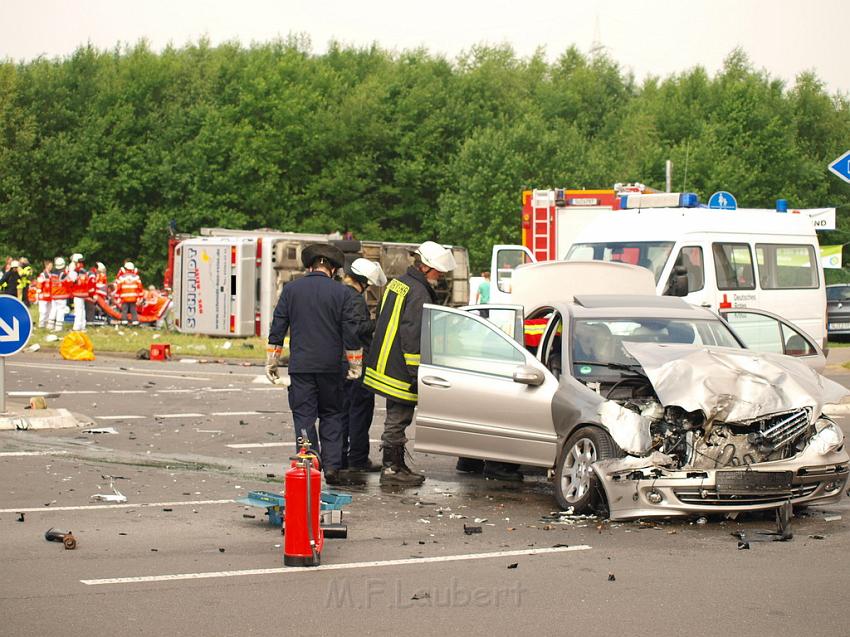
x=643 y=404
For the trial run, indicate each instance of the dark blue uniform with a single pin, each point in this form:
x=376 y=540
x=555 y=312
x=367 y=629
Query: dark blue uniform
x=359 y=402
x=322 y=323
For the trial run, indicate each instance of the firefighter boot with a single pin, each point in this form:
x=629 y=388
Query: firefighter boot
x=396 y=472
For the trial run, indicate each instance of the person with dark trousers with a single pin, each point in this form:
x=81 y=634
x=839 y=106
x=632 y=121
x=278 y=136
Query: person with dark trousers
x=318 y=312
x=359 y=402
x=393 y=364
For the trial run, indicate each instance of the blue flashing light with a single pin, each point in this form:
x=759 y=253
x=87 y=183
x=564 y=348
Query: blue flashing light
x=781 y=205
x=688 y=200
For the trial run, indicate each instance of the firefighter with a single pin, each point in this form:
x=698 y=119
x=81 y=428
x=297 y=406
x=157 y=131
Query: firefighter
x=25 y=270
x=45 y=299
x=79 y=281
x=318 y=312
x=129 y=288
x=59 y=294
x=393 y=363
x=9 y=282
x=359 y=402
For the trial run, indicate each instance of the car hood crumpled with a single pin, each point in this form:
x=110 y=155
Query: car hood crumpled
x=732 y=385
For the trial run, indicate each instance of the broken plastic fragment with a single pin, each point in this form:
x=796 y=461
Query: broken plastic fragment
x=629 y=430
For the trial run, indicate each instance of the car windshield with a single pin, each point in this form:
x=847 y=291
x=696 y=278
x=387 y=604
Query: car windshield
x=597 y=344
x=651 y=255
x=838 y=293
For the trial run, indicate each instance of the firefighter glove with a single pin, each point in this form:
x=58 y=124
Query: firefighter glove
x=272 y=363
x=355 y=363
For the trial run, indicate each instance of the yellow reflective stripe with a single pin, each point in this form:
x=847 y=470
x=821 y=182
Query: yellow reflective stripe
x=412 y=359
x=401 y=291
x=389 y=380
x=386 y=389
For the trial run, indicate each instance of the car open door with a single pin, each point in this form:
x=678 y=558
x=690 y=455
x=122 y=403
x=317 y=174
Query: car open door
x=481 y=393
x=764 y=331
x=504 y=260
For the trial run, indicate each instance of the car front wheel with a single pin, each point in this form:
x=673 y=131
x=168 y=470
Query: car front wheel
x=574 y=478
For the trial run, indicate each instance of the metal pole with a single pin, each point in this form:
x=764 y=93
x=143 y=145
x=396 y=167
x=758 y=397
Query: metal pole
x=669 y=172
x=2 y=384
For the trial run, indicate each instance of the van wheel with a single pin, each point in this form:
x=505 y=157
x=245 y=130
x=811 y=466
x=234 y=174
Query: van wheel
x=574 y=477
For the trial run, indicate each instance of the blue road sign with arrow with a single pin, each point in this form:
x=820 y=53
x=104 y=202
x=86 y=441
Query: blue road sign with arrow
x=841 y=167
x=15 y=325
x=722 y=200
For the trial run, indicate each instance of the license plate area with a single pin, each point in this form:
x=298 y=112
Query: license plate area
x=753 y=481
x=839 y=326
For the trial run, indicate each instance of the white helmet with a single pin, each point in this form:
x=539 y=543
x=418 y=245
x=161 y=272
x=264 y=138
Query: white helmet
x=15 y=264
x=129 y=266
x=101 y=267
x=59 y=263
x=436 y=256
x=370 y=270
x=76 y=257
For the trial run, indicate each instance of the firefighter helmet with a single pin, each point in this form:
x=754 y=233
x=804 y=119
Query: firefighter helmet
x=371 y=271
x=436 y=256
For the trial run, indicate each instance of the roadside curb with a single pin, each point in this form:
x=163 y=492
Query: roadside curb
x=15 y=419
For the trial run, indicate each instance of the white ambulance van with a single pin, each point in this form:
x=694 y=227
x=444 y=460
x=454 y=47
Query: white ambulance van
x=723 y=259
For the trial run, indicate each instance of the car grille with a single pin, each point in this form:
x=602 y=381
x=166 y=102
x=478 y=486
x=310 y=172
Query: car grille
x=779 y=430
x=712 y=498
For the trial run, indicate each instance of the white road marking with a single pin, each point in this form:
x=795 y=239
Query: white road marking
x=111 y=371
x=333 y=567
x=119 y=417
x=177 y=416
x=6 y=454
x=236 y=413
x=271 y=388
x=126 y=391
x=260 y=445
x=127 y=505
x=30 y=393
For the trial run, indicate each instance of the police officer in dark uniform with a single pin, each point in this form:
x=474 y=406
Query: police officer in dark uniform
x=318 y=313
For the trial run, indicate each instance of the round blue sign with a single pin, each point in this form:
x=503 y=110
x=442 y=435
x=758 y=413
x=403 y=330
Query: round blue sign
x=15 y=325
x=722 y=200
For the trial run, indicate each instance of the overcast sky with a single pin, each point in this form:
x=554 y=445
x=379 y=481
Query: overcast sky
x=657 y=37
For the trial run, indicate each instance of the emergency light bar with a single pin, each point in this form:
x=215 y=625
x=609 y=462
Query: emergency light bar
x=659 y=200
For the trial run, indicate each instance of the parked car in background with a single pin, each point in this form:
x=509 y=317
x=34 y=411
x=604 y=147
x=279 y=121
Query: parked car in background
x=838 y=309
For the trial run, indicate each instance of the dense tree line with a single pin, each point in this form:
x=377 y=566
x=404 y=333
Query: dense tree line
x=99 y=150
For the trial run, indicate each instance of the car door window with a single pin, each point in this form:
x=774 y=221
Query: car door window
x=460 y=341
x=795 y=343
x=689 y=263
x=507 y=319
x=759 y=332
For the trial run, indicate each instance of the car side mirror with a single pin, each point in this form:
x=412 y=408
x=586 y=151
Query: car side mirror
x=528 y=375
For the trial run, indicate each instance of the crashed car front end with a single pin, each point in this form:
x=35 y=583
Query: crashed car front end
x=724 y=431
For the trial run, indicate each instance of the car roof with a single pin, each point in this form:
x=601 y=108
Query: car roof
x=630 y=308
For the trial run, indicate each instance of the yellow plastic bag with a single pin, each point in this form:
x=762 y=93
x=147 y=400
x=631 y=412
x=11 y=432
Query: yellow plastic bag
x=77 y=347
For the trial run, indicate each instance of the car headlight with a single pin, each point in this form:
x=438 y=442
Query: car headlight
x=828 y=438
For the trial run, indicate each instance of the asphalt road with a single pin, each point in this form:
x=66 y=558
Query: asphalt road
x=180 y=557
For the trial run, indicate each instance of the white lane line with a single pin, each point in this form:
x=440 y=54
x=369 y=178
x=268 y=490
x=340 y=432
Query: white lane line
x=113 y=372
x=236 y=413
x=333 y=567
x=177 y=416
x=30 y=393
x=261 y=445
x=7 y=454
x=126 y=391
x=104 y=507
x=120 y=417
x=272 y=388
x=222 y=389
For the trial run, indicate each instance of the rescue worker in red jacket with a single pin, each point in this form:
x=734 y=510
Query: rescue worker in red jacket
x=79 y=281
x=129 y=288
x=60 y=291
x=45 y=298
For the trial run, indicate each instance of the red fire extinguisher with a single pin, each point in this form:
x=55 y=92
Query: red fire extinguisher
x=303 y=537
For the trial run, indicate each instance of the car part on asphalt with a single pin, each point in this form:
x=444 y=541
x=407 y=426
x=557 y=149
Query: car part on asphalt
x=66 y=537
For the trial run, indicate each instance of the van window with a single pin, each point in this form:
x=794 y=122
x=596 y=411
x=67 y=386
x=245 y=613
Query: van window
x=651 y=255
x=689 y=262
x=733 y=265
x=785 y=267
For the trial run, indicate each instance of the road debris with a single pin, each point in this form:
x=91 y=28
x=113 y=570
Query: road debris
x=421 y=595
x=20 y=517
x=116 y=496
x=100 y=430
x=816 y=537
x=611 y=577
x=66 y=537
x=831 y=518
x=513 y=565
x=471 y=530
